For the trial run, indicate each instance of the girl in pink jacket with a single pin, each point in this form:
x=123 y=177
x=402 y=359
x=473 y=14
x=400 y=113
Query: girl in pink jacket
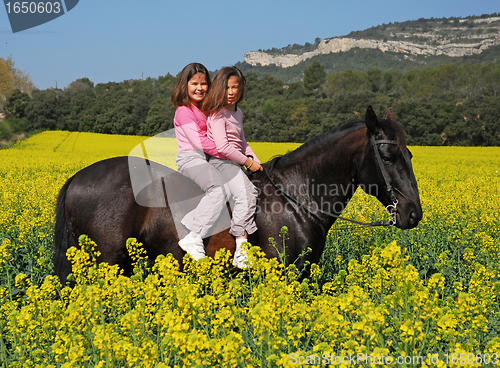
x=225 y=129
x=194 y=150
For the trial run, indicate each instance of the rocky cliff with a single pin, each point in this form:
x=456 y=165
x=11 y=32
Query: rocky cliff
x=448 y=47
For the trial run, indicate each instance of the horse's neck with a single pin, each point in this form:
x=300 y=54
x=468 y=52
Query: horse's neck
x=324 y=177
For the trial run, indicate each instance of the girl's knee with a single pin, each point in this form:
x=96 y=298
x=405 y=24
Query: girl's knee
x=219 y=192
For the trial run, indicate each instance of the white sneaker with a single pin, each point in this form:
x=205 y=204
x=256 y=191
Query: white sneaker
x=240 y=258
x=193 y=246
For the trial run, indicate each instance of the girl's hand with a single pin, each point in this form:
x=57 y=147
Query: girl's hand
x=256 y=167
x=252 y=165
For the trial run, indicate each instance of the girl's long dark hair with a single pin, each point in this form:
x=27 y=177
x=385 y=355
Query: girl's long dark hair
x=179 y=96
x=216 y=97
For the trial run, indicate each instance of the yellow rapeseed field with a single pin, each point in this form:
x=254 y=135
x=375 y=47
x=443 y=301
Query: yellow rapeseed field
x=427 y=297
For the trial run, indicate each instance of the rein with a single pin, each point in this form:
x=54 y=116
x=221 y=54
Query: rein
x=391 y=209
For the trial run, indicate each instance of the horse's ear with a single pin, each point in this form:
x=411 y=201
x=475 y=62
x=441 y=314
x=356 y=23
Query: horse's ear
x=389 y=115
x=371 y=121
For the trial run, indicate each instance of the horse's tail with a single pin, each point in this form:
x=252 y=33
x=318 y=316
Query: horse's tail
x=62 y=238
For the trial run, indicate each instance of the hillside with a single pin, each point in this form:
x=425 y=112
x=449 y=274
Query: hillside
x=438 y=99
x=401 y=46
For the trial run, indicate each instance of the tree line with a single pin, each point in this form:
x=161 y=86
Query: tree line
x=11 y=79
x=444 y=105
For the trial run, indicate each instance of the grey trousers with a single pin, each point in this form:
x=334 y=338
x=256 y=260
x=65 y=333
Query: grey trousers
x=244 y=194
x=195 y=166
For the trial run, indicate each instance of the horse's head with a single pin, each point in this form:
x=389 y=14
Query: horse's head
x=391 y=173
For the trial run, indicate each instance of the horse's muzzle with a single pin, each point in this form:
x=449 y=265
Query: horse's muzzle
x=410 y=220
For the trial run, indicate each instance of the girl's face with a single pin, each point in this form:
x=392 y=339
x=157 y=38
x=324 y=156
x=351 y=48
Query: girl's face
x=232 y=91
x=197 y=88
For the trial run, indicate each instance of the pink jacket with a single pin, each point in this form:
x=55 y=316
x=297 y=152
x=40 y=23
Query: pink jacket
x=226 y=129
x=191 y=131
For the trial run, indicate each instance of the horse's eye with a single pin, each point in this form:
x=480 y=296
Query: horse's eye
x=411 y=155
x=386 y=159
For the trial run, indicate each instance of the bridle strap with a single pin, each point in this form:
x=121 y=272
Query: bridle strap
x=312 y=214
x=387 y=180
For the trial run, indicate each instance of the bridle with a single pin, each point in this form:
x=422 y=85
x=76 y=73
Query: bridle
x=391 y=209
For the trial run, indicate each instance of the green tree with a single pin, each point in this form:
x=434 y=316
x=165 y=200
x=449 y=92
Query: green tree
x=314 y=77
x=81 y=113
x=16 y=104
x=375 y=79
x=47 y=109
x=346 y=81
x=160 y=117
x=298 y=123
x=167 y=81
x=11 y=79
x=81 y=84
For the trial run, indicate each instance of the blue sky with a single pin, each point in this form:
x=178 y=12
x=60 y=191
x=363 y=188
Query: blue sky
x=115 y=40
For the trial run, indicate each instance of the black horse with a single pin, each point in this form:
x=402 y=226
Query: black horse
x=304 y=190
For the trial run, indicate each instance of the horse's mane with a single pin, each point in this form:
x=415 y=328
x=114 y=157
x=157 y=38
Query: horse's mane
x=321 y=140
